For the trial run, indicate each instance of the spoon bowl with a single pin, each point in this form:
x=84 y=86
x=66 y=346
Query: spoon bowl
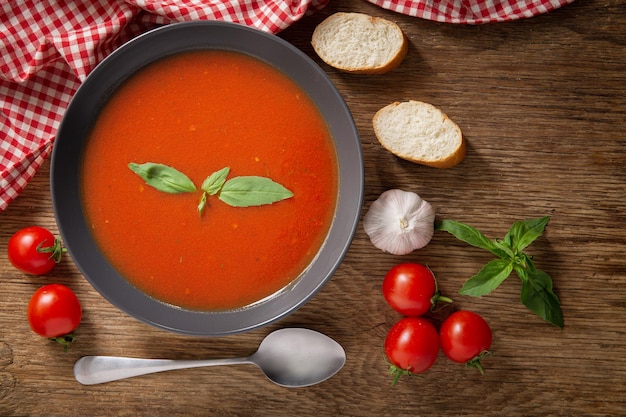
x=292 y=357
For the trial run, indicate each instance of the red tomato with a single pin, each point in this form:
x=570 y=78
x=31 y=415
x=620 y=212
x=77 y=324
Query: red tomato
x=411 y=289
x=465 y=338
x=412 y=346
x=54 y=312
x=34 y=250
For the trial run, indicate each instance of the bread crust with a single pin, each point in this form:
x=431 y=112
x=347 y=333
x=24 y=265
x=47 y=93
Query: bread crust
x=453 y=158
x=339 y=18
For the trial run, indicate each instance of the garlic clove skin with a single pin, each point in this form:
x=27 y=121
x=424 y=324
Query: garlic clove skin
x=399 y=222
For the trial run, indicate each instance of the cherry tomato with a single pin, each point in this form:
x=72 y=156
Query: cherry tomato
x=466 y=338
x=34 y=250
x=412 y=346
x=411 y=289
x=54 y=312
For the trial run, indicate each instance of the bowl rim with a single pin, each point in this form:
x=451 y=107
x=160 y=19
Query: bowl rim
x=102 y=83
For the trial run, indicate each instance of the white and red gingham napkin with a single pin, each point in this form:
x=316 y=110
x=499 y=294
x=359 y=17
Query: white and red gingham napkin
x=471 y=12
x=48 y=47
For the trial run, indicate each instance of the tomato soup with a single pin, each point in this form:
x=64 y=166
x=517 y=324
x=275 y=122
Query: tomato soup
x=199 y=112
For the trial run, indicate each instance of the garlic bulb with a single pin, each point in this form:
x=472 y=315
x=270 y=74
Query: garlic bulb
x=399 y=222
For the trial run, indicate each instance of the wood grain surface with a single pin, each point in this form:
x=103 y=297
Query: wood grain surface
x=542 y=103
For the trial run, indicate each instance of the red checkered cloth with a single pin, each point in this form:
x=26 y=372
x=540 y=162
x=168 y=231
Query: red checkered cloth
x=473 y=12
x=48 y=47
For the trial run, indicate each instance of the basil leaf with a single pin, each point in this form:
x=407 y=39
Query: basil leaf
x=252 y=191
x=163 y=178
x=488 y=278
x=471 y=235
x=507 y=251
x=523 y=233
x=537 y=295
x=214 y=182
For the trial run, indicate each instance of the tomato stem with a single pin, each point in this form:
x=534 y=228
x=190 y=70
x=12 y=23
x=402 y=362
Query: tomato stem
x=438 y=297
x=475 y=362
x=56 y=251
x=65 y=340
x=398 y=373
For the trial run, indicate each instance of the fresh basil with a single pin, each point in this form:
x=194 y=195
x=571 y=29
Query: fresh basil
x=245 y=191
x=488 y=278
x=163 y=178
x=538 y=296
x=252 y=191
x=473 y=236
x=214 y=182
x=211 y=186
x=537 y=291
x=523 y=233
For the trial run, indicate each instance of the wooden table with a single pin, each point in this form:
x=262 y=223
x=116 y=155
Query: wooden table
x=542 y=103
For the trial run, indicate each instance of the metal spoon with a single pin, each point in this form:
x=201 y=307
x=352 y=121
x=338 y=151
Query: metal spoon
x=289 y=357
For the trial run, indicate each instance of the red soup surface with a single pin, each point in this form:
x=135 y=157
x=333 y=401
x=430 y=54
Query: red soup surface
x=199 y=112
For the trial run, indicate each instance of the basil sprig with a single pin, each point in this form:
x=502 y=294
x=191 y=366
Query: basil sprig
x=243 y=191
x=537 y=292
x=163 y=178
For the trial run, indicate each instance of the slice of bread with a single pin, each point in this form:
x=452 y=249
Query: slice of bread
x=359 y=43
x=421 y=133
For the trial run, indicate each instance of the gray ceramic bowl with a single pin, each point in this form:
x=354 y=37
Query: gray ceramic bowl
x=84 y=109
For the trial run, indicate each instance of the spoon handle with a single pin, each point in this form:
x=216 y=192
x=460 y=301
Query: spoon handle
x=90 y=370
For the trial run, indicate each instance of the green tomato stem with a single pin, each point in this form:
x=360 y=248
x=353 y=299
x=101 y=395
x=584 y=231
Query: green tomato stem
x=438 y=297
x=65 y=340
x=56 y=251
x=475 y=362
